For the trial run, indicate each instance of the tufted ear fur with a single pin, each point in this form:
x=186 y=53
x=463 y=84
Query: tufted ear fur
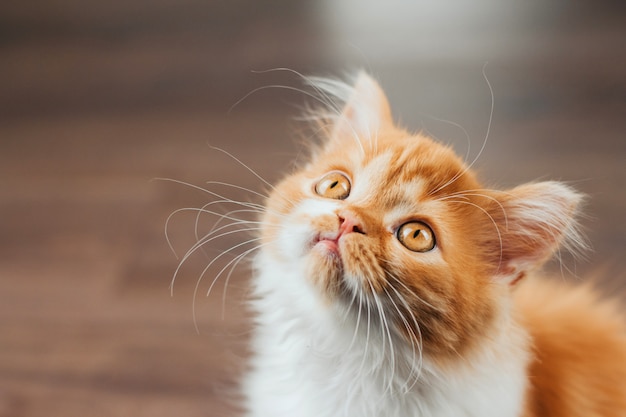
x=366 y=110
x=533 y=220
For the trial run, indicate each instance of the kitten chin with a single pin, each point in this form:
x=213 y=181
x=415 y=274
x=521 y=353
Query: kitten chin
x=324 y=269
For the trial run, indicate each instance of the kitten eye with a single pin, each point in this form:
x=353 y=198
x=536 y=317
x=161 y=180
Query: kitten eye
x=333 y=185
x=416 y=236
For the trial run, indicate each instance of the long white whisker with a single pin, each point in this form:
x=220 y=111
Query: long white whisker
x=238 y=187
x=492 y=221
x=196 y=246
x=386 y=333
x=482 y=148
x=411 y=339
x=414 y=373
x=229 y=200
x=367 y=338
x=413 y=293
x=221 y=216
x=253 y=172
x=204 y=271
x=228 y=215
x=206 y=268
x=233 y=265
x=478 y=192
x=379 y=309
x=198 y=211
x=358 y=319
x=323 y=97
x=467 y=136
x=212 y=235
x=276 y=86
x=324 y=89
x=465 y=194
x=326 y=86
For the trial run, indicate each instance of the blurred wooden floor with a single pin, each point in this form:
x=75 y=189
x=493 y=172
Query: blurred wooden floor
x=97 y=100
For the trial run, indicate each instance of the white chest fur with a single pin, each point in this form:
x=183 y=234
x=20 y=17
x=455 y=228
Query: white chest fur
x=310 y=362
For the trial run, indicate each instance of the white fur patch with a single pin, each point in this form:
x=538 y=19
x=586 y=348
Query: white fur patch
x=368 y=178
x=296 y=231
x=311 y=363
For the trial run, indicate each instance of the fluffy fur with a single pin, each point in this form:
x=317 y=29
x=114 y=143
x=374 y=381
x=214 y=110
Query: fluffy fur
x=352 y=323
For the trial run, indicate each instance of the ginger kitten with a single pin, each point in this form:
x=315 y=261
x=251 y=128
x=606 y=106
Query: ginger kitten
x=390 y=283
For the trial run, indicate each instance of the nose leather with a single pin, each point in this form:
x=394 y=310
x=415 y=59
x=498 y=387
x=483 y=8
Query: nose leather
x=350 y=223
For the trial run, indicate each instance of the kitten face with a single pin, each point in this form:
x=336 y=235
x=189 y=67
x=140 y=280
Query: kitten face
x=395 y=220
x=373 y=224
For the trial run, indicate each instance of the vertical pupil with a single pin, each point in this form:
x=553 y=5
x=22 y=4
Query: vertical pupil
x=416 y=233
x=334 y=184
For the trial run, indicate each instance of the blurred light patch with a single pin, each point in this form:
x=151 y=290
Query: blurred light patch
x=408 y=31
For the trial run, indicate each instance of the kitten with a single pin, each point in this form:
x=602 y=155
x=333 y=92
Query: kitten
x=390 y=283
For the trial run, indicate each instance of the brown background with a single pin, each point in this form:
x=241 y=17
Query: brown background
x=99 y=98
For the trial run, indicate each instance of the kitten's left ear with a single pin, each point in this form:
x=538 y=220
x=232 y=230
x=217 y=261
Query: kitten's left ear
x=533 y=221
x=366 y=111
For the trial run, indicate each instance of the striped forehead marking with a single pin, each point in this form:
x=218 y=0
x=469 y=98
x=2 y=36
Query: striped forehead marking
x=377 y=184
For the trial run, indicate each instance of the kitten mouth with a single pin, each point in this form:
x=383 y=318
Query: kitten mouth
x=329 y=244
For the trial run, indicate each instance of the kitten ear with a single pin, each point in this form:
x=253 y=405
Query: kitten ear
x=366 y=110
x=533 y=221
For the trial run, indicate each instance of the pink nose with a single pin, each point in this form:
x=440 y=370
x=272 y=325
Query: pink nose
x=349 y=223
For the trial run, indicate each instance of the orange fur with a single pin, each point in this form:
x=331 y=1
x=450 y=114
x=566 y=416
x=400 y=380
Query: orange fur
x=579 y=365
x=486 y=240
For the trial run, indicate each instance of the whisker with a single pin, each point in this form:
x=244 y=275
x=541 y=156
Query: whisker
x=406 y=325
x=467 y=136
x=195 y=247
x=409 y=311
x=492 y=221
x=238 y=187
x=227 y=215
x=358 y=318
x=221 y=216
x=253 y=172
x=279 y=87
x=328 y=86
x=326 y=89
x=413 y=293
x=235 y=262
x=330 y=93
x=323 y=97
x=464 y=194
x=367 y=339
x=206 y=269
x=415 y=371
x=482 y=148
x=386 y=333
x=229 y=200
x=199 y=211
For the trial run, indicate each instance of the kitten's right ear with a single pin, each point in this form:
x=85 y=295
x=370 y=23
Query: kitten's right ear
x=532 y=222
x=366 y=111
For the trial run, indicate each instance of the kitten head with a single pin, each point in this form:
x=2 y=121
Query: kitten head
x=396 y=220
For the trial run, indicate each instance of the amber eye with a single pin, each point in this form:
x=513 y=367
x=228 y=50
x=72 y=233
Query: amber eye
x=416 y=236
x=333 y=185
